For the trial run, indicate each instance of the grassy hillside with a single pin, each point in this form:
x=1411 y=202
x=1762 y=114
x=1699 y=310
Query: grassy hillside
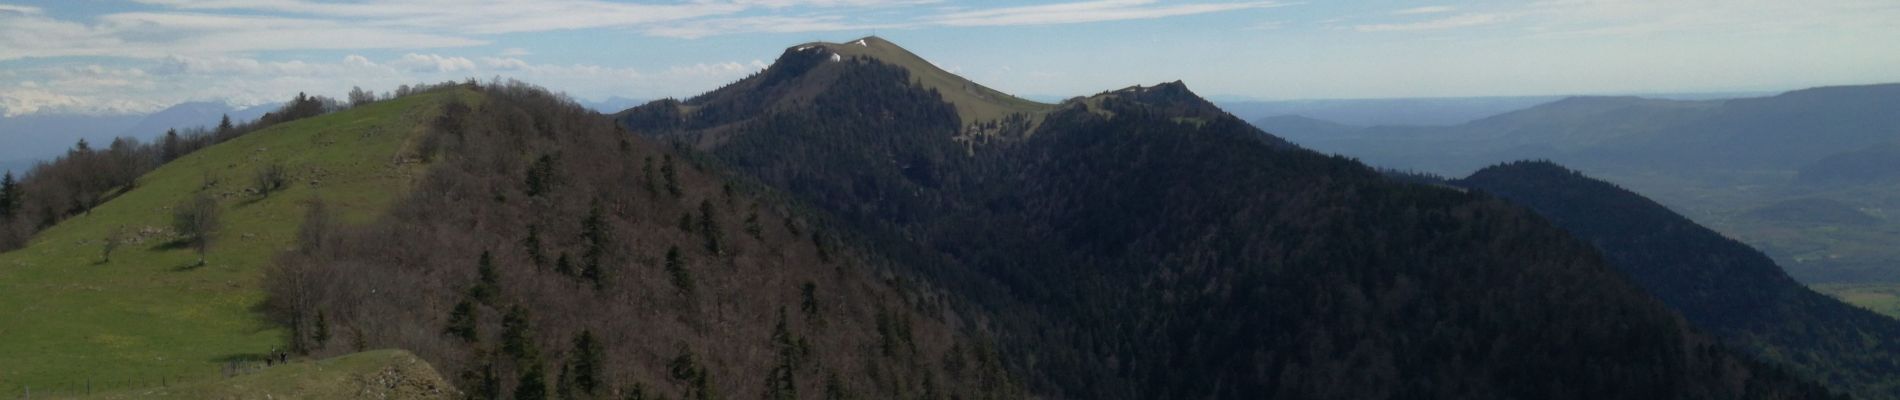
x=149 y=313
x=382 y=374
x=974 y=102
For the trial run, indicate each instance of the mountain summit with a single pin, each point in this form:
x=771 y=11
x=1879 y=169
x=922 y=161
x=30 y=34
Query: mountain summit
x=1142 y=243
x=805 y=70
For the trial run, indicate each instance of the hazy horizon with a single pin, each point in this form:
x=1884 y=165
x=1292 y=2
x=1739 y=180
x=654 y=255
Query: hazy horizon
x=138 y=56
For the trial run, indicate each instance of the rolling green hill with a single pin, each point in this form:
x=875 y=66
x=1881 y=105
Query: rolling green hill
x=150 y=313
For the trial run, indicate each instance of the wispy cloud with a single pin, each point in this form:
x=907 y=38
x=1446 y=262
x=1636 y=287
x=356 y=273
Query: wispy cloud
x=1457 y=21
x=1087 y=11
x=1568 y=18
x=149 y=85
x=1425 y=10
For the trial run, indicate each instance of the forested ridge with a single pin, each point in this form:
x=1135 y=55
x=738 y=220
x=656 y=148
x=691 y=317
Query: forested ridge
x=549 y=254
x=1719 y=284
x=1143 y=244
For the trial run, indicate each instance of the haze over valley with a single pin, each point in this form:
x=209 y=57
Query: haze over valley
x=898 y=199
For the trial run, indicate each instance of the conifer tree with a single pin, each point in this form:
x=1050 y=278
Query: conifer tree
x=752 y=226
x=565 y=266
x=9 y=197
x=517 y=337
x=780 y=384
x=533 y=245
x=171 y=147
x=224 y=127
x=462 y=321
x=588 y=361
x=672 y=176
x=651 y=184
x=533 y=384
x=595 y=232
x=322 y=334
x=489 y=284
x=709 y=228
x=676 y=266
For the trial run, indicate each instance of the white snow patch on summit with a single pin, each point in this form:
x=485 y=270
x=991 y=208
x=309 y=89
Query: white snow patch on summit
x=860 y=42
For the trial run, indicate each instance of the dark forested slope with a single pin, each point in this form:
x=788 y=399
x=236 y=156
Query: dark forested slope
x=548 y=254
x=1717 y=283
x=1141 y=243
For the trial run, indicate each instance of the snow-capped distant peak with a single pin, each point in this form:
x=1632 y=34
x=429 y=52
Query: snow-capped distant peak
x=803 y=48
x=860 y=42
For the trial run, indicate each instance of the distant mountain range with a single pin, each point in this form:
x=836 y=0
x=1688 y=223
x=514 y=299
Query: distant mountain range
x=1423 y=111
x=31 y=138
x=1718 y=161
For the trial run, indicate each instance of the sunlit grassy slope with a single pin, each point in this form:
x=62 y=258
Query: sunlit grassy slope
x=68 y=317
x=974 y=102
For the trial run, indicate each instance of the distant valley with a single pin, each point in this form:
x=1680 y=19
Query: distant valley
x=1805 y=175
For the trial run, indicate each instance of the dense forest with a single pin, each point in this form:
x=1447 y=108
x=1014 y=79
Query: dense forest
x=1143 y=244
x=1719 y=284
x=549 y=254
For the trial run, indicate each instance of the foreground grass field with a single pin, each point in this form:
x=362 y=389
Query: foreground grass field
x=68 y=317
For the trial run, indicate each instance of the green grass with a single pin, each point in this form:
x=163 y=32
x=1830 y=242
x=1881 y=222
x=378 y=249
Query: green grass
x=975 y=103
x=1882 y=298
x=391 y=374
x=149 y=315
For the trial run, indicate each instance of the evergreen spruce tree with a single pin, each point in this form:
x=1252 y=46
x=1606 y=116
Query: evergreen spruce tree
x=488 y=285
x=676 y=267
x=517 y=337
x=565 y=266
x=533 y=384
x=709 y=228
x=752 y=226
x=834 y=388
x=651 y=184
x=780 y=384
x=672 y=177
x=225 y=129
x=588 y=362
x=9 y=197
x=322 y=331
x=462 y=321
x=594 y=231
x=533 y=245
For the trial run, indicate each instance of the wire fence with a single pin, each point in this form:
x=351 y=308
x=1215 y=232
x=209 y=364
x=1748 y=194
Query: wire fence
x=86 y=386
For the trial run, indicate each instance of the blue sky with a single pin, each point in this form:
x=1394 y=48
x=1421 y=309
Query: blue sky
x=108 y=56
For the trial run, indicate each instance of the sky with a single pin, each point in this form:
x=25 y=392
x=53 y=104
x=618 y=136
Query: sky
x=137 y=56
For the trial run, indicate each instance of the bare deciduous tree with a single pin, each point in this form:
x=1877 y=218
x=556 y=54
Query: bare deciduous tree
x=196 y=221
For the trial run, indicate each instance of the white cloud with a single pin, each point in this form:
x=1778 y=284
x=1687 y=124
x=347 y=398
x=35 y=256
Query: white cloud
x=1086 y=11
x=1457 y=21
x=1425 y=10
x=138 y=86
x=767 y=24
x=151 y=35
x=433 y=63
x=1632 y=17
